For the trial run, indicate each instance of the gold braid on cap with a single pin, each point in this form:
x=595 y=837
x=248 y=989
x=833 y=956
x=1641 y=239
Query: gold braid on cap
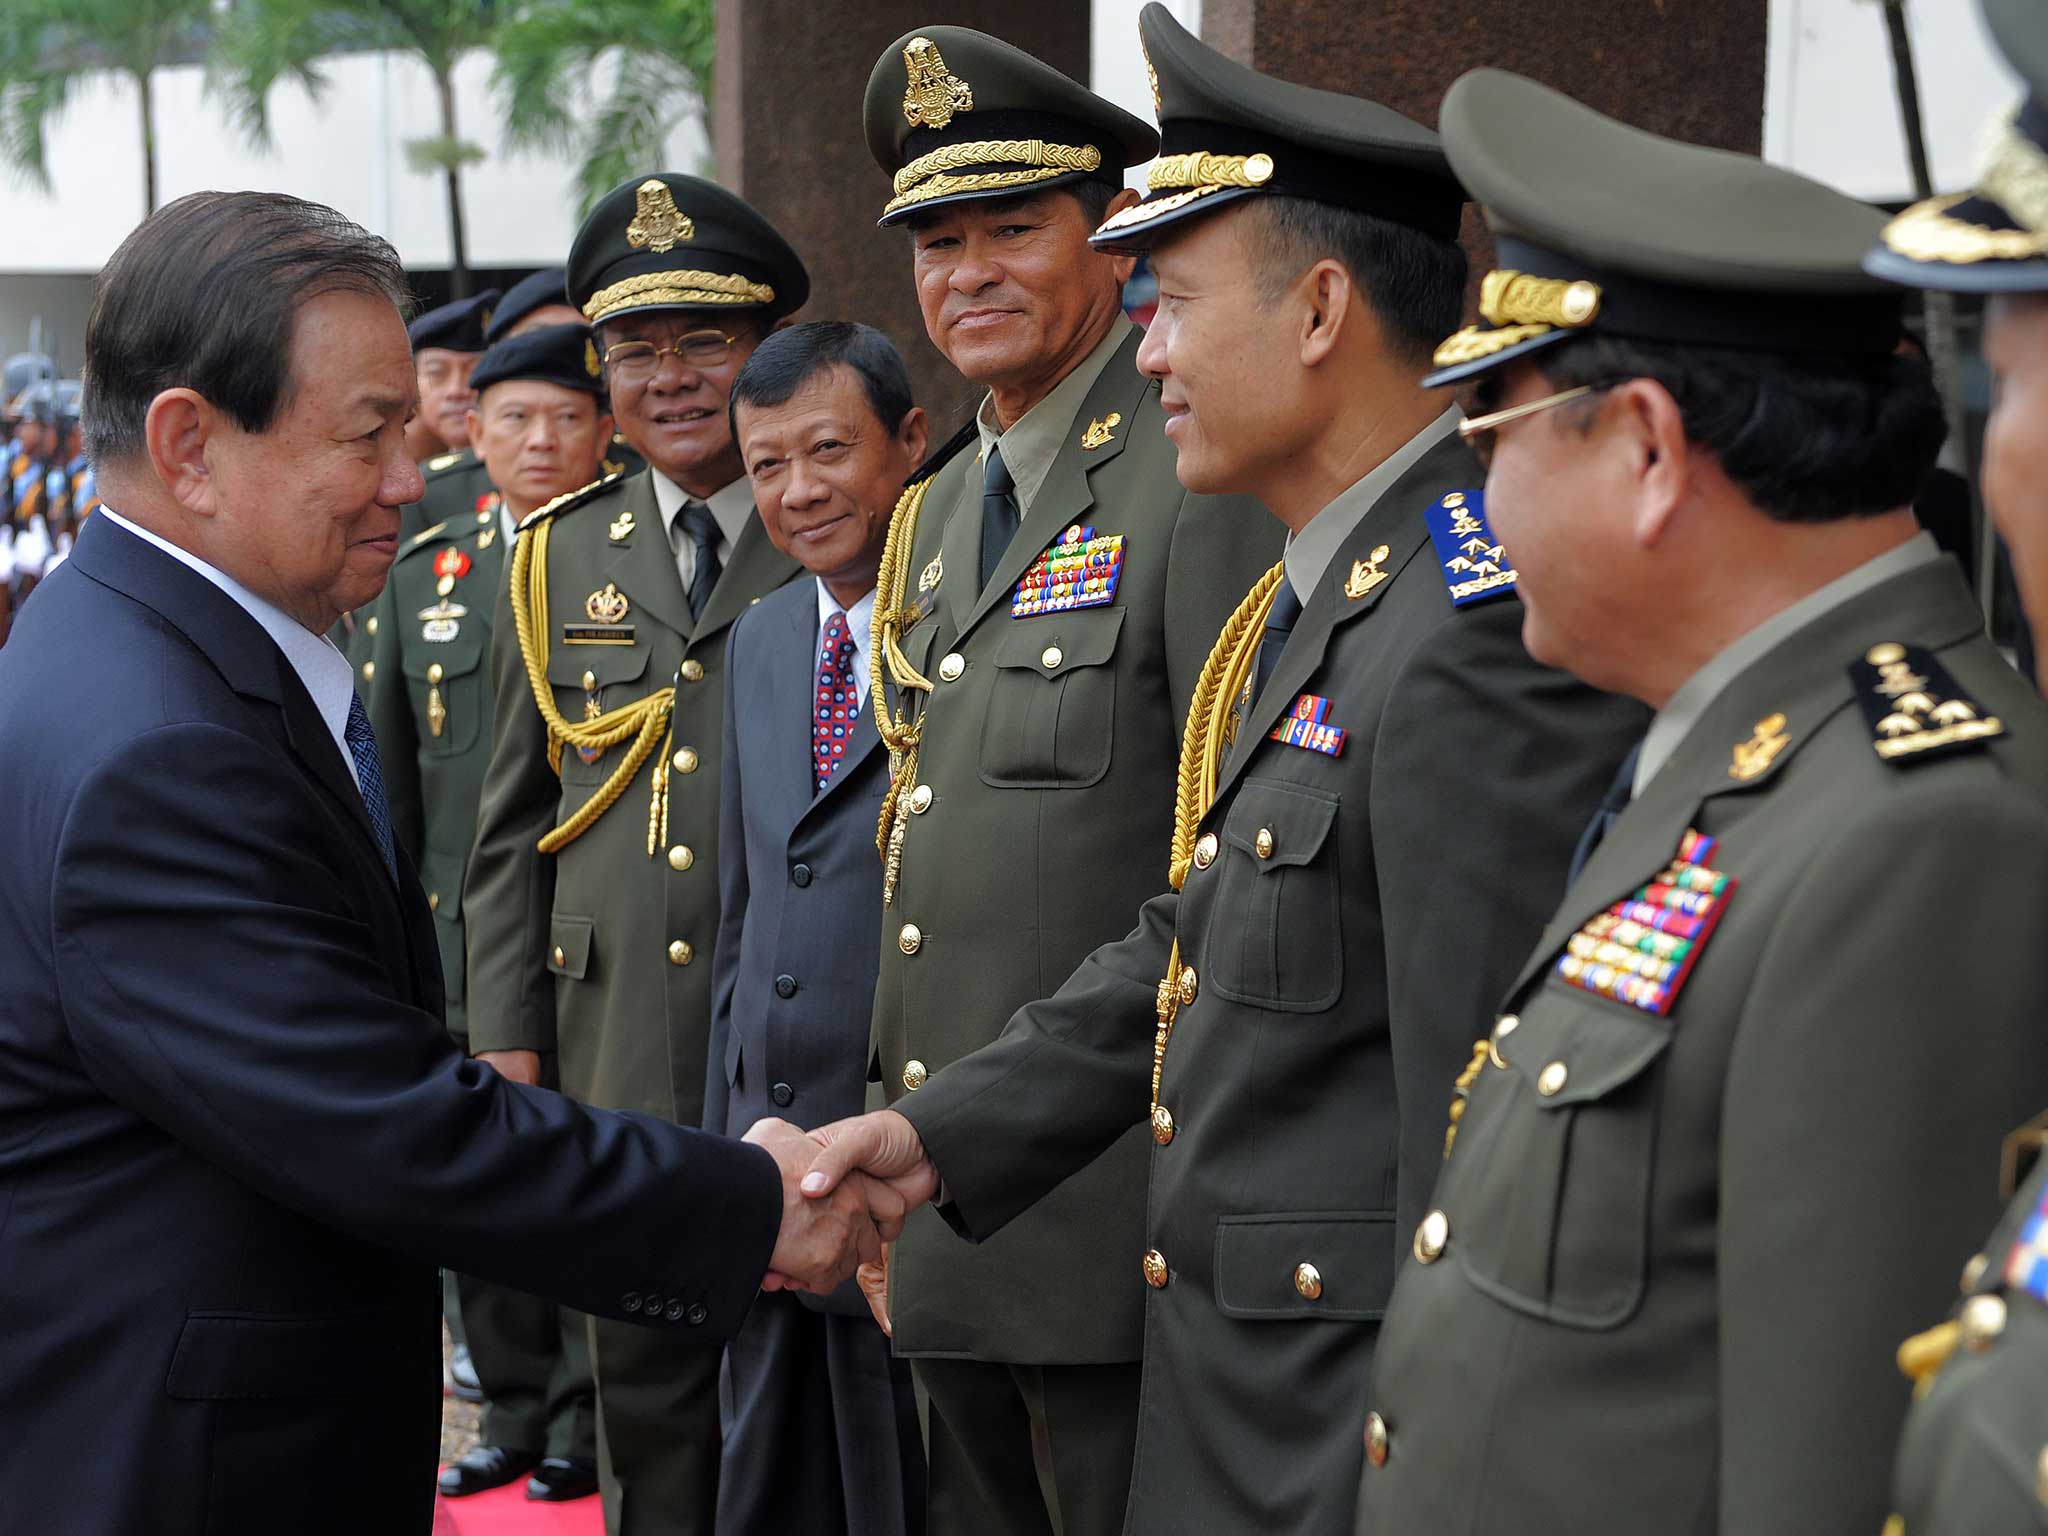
x=1517 y=307
x=929 y=175
x=1199 y=168
x=2014 y=176
x=680 y=290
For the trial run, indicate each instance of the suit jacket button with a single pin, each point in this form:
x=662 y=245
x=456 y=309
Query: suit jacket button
x=371 y=624
x=1162 y=1124
x=1189 y=985
x=1155 y=1269
x=785 y=986
x=801 y=875
x=920 y=799
x=630 y=1301
x=369 y=671
x=560 y=956
x=680 y=953
x=1377 y=1441
x=951 y=665
x=433 y=901
x=914 y=1075
x=685 y=760
x=1262 y=845
x=697 y=1313
x=1051 y=658
x=693 y=671
x=681 y=857
x=1550 y=1081
x=1981 y=1320
x=783 y=1095
x=1432 y=1237
x=589 y=681
x=1205 y=850
x=435 y=673
x=1308 y=1281
x=674 y=1312
x=910 y=938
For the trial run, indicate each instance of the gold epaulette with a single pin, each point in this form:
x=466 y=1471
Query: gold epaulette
x=567 y=501
x=441 y=463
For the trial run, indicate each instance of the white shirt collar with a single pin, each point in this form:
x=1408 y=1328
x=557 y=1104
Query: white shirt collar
x=323 y=669
x=860 y=619
x=731 y=506
x=1308 y=553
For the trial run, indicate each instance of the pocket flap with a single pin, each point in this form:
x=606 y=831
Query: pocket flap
x=608 y=665
x=1051 y=646
x=458 y=658
x=569 y=941
x=1305 y=1264
x=1599 y=1045
x=236 y=1355
x=1294 y=818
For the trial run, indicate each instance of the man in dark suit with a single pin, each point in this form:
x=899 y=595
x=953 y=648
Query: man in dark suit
x=822 y=1433
x=234 y=1135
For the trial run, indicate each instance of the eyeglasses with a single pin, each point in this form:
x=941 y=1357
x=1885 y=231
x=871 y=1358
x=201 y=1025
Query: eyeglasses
x=1479 y=430
x=634 y=362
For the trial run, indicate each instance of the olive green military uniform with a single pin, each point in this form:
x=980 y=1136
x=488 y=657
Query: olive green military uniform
x=1723 y=1142
x=457 y=488
x=597 y=950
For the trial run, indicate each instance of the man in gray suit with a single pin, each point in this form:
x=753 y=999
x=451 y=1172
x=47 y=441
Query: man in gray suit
x=820 y=1427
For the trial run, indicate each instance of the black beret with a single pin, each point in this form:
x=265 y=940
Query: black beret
x=670 y=241
x=550 y=285
x=954 y=114
x=456 y=327
x=555 y=354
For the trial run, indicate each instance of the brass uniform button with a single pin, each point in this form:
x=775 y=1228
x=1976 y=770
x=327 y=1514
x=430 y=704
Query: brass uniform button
x=1262 y=845
x=693 y=671
x=1052 y=656
x=369 y=670
x=680 y=953
x=685 y=760
x=1974 y=1271
x=433 y=901
x=914 y=1075
x=1431 y=1236
x=1377 y=1441
x=910 y=938
x=1162 y=1124
x=1308 y=1280
x=561 y=957
x=1155 y=1269
x=1189 y=985
x=434 y=673
x=951 y=665
x=589 y=681
x=1982 y=1320
x=680 y=857
x=444 y=586
x=370 y=624
x=1205 y=850
x=920 y=799
x=1550 y=1080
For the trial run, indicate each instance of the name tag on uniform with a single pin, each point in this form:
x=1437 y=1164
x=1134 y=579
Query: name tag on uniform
x=1641 y=950
x=597 y=634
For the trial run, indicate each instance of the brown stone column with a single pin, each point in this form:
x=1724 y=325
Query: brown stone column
x=786 y=101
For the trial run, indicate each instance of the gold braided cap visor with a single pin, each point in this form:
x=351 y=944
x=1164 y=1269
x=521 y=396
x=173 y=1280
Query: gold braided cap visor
x=681 y=289
x=2012 y=179
x=954 y=170
x=1517 y=308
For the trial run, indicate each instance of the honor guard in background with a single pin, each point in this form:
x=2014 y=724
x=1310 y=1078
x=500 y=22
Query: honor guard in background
x=540 y=426
x=1376 y=799
x=1725 y=1139
x=1053 y=592
x=541 y=300
x=1973 y=1460
x=592 y=899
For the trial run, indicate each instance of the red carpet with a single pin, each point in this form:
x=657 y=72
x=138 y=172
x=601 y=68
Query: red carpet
x=508 y=1511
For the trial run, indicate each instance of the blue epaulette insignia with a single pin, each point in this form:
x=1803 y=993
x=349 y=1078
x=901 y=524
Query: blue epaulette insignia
x=2026 y=1267
x=1078 y=570
x=1307 y=724
x=1474 y=565
x=1641 y=950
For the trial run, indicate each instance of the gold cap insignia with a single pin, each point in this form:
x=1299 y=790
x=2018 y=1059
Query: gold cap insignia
x=591 y=365
x=932 y=94
x=658 y=224
x=608 y=606
x=484 y=320
x=1152 y=79
x=1366 y=574
x=622 y=525
x=1752 y=757
x=1101 y=429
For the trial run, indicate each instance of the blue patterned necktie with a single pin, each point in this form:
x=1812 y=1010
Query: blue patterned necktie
x=362 y=751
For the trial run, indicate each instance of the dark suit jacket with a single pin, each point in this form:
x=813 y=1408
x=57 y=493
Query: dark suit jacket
x=799 y=888
x=234 y=1135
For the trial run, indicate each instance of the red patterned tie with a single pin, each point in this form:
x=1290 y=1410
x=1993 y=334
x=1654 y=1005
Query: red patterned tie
x=838 y=701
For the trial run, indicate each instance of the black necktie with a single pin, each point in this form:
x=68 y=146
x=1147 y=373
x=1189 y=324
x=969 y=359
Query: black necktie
x=696 y=524
x=998 y=511
x=1612 y=804
x=1279 y=625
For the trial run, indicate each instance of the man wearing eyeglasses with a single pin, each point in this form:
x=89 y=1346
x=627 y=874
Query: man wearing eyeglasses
x=592 y=900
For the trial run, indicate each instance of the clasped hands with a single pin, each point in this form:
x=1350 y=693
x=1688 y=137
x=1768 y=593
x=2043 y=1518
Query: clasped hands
x=846 y=1191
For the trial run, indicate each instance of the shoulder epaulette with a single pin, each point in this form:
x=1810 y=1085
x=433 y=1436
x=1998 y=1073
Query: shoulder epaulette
x=567 y=502
x=937 y=461
x=442 y=463
x=1916 y=710
x=422 y=537
x=1473 y=563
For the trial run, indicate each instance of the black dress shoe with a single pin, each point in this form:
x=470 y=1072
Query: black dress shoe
x=561 y=1478
x=488 y=1466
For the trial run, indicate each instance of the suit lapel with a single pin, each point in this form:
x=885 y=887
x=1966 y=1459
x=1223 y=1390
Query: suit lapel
x=797 y=670
x=643 y=563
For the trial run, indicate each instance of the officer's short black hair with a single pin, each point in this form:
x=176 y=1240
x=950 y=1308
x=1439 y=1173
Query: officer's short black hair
x=1414 y=281
x=1807 y=437
x=202 y=296
x=790 y=359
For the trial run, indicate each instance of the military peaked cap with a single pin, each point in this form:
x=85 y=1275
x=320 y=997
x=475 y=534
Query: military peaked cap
x=457 y=327
x=554 y=354
x=550 y=285
x=670 y=241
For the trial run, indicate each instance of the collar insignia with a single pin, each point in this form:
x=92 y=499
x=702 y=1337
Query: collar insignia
x=1914 y=708
x=657 y=224
x=933 y=574
x=451 y=564
x=932 y=94
x=1101 y=430
x=607 y=606
x=1752 y=757
x=622 y=526
x=1366 y=574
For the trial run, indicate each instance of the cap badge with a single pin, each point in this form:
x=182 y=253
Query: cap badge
x=1752 y=757
x=933 y=94
x=1366 y=574
x=608 y=606
x=1101 y=429
x=658 y=224
x=622 y=526
x=591 y=365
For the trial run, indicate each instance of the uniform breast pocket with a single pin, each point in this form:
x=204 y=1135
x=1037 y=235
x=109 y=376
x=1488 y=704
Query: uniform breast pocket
x=446 y=684
x=1275 y=939
x=1556 y=1222
x=613 y=675
x=1052 y=702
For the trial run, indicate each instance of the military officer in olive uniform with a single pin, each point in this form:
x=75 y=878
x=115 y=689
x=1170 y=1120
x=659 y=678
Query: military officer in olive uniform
x=1724 y=1139
x=1377 y=796
x=1029 y=819
x=542 y=299
x=1973 y=1460
x=592 y=901
x=429 y=700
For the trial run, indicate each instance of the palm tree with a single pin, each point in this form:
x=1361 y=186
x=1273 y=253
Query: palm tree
x=264 y=41
x=572 y=82
x=50 y=47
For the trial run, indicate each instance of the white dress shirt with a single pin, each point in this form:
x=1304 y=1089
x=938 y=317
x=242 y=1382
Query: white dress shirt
x=859 y=619
x=731 y=506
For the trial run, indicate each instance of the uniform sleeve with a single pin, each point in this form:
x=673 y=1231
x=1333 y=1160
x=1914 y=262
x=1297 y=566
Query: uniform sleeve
x=220 y=982
x=1486 y=770
x=1222 y=545
x=1892 y=1034
x=732 y=898
x=390 y=709
x=509 y=891
x=1067 y=1076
